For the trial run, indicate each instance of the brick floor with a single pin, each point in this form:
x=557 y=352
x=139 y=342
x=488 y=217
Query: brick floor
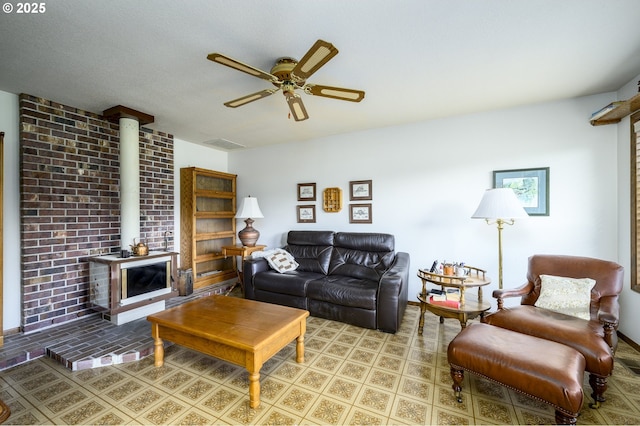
x=92 y=342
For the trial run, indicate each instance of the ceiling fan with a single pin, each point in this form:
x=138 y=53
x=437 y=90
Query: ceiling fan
x=289 y=75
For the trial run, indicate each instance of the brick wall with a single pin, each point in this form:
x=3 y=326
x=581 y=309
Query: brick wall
x=70 y=203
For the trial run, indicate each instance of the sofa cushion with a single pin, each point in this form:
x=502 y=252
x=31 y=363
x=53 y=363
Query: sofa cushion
x=281 y=260
x=310 y=238
x=365 y=241
x=571 y=296
x=362 y=255
x=292 y=283
x=344 y=291
x=311 y=249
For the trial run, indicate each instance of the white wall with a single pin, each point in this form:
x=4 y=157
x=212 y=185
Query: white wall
x=428 y=178
x=629 y=299
x=9 y=124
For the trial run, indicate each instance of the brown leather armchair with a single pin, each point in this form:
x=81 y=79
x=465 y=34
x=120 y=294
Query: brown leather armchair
x=596 y=338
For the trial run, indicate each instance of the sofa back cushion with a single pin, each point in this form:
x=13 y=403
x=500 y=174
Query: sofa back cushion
x=362 y=255
x=311 y=249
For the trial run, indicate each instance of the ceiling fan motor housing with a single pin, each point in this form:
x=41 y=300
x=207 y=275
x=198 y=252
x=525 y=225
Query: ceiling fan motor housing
x=282 y=69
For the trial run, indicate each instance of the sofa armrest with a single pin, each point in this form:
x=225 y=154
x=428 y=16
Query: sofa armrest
x=521 y=291
x=393 y=294
x=250 y=267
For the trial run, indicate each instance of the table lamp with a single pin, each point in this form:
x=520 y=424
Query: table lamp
x=500 y=206
x=248 y=211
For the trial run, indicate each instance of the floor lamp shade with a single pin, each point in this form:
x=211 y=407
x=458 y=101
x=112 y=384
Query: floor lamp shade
x=499 y=203
x=500 y=206
x=249 y=210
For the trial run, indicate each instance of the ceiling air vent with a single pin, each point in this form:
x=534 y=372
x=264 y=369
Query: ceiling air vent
x=223 y=144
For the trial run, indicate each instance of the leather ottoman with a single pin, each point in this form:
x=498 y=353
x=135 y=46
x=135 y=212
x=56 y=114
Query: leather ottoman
x=542 y=369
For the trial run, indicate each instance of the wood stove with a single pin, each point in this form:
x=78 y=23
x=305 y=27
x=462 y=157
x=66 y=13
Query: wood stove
x=125 y=289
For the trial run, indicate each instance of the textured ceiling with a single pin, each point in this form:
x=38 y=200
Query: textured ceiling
x=415 y=59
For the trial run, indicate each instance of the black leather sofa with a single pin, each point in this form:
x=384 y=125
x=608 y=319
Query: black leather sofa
x=355 y=278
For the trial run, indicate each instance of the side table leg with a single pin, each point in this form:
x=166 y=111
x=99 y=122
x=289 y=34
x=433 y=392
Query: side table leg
x=463 y=320
x=423 y=308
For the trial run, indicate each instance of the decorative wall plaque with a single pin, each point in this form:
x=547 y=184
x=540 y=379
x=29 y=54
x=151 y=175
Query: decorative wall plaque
x=332 y=200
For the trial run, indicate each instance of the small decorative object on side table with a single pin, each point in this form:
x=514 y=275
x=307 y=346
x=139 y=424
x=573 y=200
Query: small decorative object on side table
x=242 y=252
x=463 y=310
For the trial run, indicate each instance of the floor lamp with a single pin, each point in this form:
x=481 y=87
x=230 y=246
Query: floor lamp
x=500 y=206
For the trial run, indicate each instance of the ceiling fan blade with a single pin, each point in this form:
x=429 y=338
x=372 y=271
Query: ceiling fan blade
x=296 y=106
x=237 y=65
x=319 y=54
x=334 y=92
x=250 y=98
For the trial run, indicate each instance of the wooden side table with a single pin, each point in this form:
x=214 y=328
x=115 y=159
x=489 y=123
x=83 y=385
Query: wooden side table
x=469 y=308
x=242 y=252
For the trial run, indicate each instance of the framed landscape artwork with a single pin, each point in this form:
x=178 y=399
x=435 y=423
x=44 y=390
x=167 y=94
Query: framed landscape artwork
x=531 y=186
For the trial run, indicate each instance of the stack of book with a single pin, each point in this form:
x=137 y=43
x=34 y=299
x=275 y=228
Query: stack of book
x=450 y=298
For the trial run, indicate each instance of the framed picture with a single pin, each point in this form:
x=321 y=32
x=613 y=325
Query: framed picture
x=360 y=190
x=306 y=214
x=306 y=192
x=360 y=213
x=531 y=186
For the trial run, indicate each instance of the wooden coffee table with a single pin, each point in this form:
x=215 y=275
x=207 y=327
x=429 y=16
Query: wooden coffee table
x=244 y=332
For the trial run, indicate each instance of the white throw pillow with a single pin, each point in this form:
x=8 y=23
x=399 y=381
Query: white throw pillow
x=282 y=261
x=571 y=296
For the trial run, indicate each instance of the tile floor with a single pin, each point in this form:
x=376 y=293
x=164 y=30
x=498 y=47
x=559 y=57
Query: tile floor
x=350 y=376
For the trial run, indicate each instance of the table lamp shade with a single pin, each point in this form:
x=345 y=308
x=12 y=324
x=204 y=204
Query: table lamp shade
x=249 y=210
x=499 y=203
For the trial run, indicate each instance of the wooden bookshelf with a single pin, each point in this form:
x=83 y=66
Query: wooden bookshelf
x=615 y=111
x=207 y=224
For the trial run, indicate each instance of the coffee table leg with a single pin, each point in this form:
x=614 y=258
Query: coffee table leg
x=158 y=350
x=300 y=349
x=254 y=389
